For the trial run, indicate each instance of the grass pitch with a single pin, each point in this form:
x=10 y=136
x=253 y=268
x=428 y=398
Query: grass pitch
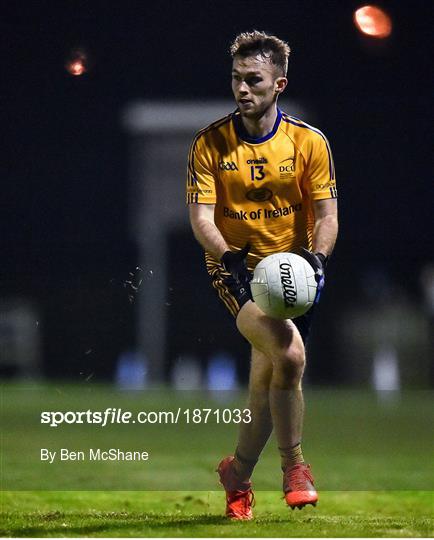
x=199 y=514
x=381 y=451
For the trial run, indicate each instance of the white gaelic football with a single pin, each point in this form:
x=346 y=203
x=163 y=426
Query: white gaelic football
x=284 y=285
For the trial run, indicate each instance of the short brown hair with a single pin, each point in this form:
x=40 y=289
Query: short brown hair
x=269 y=47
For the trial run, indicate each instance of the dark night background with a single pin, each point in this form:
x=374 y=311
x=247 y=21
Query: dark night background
x=65 y=242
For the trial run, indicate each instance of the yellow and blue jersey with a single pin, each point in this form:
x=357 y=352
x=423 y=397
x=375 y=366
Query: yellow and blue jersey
x=262 y=188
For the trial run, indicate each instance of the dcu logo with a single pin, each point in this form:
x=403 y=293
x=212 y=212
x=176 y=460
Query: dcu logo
x=287 y=168
x=227 y=166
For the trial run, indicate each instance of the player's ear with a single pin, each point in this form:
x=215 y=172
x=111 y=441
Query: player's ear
x=280 y=84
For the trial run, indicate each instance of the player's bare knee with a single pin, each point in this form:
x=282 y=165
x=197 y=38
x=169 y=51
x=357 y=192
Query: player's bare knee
x=290 y=363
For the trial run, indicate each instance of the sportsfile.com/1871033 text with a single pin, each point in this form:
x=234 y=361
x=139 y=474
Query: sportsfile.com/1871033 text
x=112 y=415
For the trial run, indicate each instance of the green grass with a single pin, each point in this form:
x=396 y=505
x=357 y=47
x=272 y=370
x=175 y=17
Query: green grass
x=199 y=514
x=372 y=461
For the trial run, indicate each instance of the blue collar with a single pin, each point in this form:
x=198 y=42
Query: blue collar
x=243 y=134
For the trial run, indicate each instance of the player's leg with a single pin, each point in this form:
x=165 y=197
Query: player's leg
x=235 y=472
x=287 y=405
x=281 y=342
x=254 y=435
x=272 y=336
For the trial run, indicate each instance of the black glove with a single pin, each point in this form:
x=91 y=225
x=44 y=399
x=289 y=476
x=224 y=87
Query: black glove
x=318 y=261
x=235 y=264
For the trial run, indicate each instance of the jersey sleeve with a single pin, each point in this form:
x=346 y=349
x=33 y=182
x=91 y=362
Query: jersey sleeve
x=200 y=174
x=320 y=174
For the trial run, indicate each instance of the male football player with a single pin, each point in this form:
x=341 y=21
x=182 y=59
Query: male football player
x=260 y=182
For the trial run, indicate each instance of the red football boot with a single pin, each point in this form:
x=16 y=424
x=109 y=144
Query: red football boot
x=298 y=486
x=239 y=495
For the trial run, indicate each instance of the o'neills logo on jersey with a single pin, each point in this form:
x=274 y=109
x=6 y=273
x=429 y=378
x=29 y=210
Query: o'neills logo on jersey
x=227 y=166
x=288 y=285
x=259 y=161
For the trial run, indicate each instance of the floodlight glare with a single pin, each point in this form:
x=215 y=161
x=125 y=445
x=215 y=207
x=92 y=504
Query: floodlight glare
x=373 y=21
x=77 y=63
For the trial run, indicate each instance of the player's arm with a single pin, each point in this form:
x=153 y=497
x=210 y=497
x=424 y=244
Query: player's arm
x=325 y=230
x=320 y=181
x=201 y=197
x=205 y=230
x=211 y=239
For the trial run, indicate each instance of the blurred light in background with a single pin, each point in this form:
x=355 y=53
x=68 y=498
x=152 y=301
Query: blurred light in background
x=131 y=371
x=221 y=373
x=20 y=339
x=78 y=63
x=385 y=370
x=187 y=373
x=373 y=21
